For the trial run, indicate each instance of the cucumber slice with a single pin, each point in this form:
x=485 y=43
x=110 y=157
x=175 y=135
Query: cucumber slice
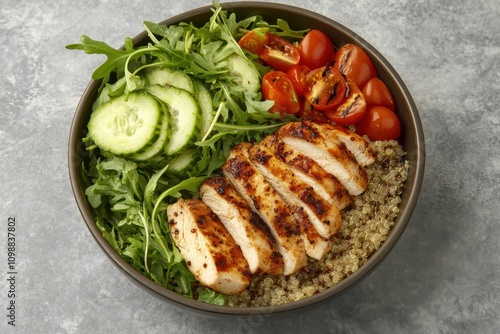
x=183 y=162
x=127 y=124
x=244 y=73
x=158 y=147
x=204 y=99
x=170 y=77
x=184 y=116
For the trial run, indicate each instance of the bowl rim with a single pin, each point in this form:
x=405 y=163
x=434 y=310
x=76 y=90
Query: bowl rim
x=210 y=310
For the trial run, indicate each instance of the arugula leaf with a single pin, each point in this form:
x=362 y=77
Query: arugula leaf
x=210 y=297
x=281 y=28
x=115 y=61
x=135 y=230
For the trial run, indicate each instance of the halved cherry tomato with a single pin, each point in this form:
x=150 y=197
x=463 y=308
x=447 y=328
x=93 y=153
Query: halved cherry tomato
x=316 y=49
x=278 y=87
x=377 y=94
x=307 y=112
x=254 y=40
x=279 y=53
x=379 y=123
x=298 y=75
x=355 y=64
x=325 y=88
x=352 y=109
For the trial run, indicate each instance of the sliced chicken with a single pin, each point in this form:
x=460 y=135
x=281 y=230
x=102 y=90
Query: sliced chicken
x=325 y=184
x=210 y=252
x=245 y=226
x=324 y=216
x=359 y=147
x=265 y=201
x=316 y=245
x=329 y=152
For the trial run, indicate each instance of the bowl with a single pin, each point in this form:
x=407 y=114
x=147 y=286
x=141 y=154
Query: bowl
x=411 y=139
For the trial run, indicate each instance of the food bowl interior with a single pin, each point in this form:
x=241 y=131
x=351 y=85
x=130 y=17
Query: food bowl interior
x=298 y=18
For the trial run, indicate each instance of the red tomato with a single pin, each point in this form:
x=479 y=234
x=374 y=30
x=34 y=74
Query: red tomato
x=316 y=49
x=278 y=87
x=254 y=40
x=354 y=63
x=279 y=53
x=379 y=123
x=377 y=94
x=307 y=112
x=325 y=88
x=351 y=110
x=298 y=75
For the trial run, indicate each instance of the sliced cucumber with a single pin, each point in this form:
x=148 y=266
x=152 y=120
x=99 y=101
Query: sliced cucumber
x=244 y=73
x=127 y=124
x=204 y=99
x=170 y=77
x=158 y=147
x=183 y=162
x=184 y=116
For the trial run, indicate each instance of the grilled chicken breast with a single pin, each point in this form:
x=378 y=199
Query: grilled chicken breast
x=359 y=147
x=325 y=184
x=329 y=152
x=245 y=226
x=278 y=202
x=210 y=252
x=325 y=217
x=266 y=202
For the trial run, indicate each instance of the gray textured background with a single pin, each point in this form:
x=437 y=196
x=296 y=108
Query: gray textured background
x=443 y=275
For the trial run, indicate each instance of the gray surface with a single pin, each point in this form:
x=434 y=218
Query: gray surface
x=443 y=275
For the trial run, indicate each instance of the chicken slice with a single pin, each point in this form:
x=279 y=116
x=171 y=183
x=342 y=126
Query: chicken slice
x=356 y=144
x=316 y=246
x=324 y=216
x=266 y=202
x=329 y=152
x=210 y=252
x=310 y=172
x=245 y=226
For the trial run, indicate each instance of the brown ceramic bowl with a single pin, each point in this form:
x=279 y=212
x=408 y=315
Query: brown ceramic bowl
x=298 y=18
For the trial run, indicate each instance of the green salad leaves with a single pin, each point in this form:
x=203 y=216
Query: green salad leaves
x=130 y=198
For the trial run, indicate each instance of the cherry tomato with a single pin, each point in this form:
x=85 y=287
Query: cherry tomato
x=298 y=75
x=316 y=49
x=377 y=94
x=254 y=40
x=379 y=123
x=355 y=64
x=308 y=113
x=278 y=87
x=352 y=109
x=325 y=88
x=279 y=53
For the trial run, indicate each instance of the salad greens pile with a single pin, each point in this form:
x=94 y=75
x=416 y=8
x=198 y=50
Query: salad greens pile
x=130 y=198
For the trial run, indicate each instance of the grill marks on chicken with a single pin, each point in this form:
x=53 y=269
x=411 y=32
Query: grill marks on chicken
x=265 y=201
x=245 y=226
x=310 y=172
x=210 y=252
x=329 y=152
x=292 y=188
x=278 y=202
x=316 y=246
x=359 y=147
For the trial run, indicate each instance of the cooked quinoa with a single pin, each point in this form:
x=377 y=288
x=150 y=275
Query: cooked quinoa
x=366 y=226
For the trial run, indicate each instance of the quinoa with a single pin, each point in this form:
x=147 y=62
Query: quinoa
x=366 y=225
